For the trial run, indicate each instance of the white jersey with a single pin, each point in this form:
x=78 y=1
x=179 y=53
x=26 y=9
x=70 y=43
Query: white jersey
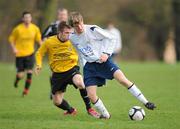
x=93 y=42
x=117 y=34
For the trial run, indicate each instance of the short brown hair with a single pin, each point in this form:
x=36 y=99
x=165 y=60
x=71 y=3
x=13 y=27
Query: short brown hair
x=62 y=25
x=75 y=18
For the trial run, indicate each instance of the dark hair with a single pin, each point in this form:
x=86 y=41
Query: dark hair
x=62 y=25
x=25 y=12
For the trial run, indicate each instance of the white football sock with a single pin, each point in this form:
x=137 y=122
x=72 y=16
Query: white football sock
x=101 y=108
x=137 y=93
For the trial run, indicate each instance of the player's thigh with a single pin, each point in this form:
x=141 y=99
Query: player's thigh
x=29 y=63
x=121 y=78
x=78 y=81
x=58 y=83
x=58 y=97
x=19 y=64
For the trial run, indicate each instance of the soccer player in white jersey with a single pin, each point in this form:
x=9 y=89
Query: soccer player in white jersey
x=92 y=43
x=113 y=30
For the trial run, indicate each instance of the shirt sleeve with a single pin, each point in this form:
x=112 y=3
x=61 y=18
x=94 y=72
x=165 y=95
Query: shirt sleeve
x=120 y=40
x=40 y=54
x=13 y=36
x=38 y=35
x=109 y=41
x=47 y=32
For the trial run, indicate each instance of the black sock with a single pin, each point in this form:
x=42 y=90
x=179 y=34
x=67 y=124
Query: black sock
x=17 y=80
x=28 y=80
x=65 y=106
x=85 y=98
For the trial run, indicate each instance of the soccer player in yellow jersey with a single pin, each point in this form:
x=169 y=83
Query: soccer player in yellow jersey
x=22 y=40
x=63 y=61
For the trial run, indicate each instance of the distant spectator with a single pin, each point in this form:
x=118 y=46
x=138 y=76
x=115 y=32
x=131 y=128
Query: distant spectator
x=113 y=30
x=51 y=30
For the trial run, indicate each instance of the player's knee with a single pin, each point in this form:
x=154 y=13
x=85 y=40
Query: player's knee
x=57 y=101
x=20 y=75
x=78 y=81
x=30 y=71
x=121 y=78
x=80 y=84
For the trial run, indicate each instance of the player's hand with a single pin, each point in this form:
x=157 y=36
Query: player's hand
x=15 y=51
x=104 y=58
x=37 y=69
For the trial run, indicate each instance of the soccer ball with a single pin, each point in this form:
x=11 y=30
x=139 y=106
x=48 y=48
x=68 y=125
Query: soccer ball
x=136 y=113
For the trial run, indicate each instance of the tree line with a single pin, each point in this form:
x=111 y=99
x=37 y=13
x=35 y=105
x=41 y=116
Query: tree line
x=144 y=25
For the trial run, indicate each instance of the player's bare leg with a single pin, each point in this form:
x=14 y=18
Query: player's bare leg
x=98 y=104
x=19 y=76
x=121 y=78
x=78 y=81
x=63 y=104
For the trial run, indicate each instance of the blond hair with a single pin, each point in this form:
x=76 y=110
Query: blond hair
x=75 y=18
x=62 y=9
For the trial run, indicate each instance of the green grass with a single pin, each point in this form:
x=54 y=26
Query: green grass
x=158 y=81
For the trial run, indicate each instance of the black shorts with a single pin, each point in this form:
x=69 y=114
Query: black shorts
x=24 y=63
x=59 y=81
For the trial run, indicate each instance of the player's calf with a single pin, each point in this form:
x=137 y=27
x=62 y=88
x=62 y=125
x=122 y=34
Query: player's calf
x=98 y=104
x=27 y=83
x=102 y=109
x=19 y=76
x=62 y=103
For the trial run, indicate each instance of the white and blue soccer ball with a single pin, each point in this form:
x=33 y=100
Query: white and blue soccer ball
x=136 y=113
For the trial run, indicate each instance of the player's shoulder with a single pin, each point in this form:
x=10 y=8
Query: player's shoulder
x=34 y=26
x=117 y=30
x=51 y=38
x=72 y=36
x=19 y=26
x=91 y=27
x=53 y=23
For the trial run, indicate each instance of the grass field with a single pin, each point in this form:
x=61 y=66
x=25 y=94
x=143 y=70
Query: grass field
x=158 y=81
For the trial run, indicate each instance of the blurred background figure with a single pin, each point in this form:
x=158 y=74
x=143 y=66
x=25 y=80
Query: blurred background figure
x=62 y=15
x=129 y=16
x=22 y=40
x=169 y=52
x=113 y=30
